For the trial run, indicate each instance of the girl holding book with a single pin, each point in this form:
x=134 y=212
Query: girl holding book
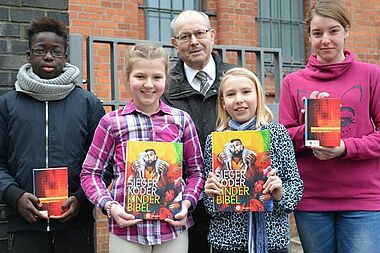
x=144 y=118
x=340 y=209
x=241 y=106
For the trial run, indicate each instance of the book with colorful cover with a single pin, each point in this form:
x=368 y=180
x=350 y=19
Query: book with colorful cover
x=51 y=187
x=154 y=182
x=322 y=122
x=241 y=161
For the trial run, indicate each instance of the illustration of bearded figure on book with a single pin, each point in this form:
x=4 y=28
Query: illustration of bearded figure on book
x=236 y=157
x=149 y=166
x=154 y=180
x=242 y=172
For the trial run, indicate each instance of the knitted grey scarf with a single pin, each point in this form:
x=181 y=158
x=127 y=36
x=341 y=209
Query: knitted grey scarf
x=46 y=89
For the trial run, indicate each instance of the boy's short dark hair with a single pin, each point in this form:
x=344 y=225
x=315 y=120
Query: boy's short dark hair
x=46 y=24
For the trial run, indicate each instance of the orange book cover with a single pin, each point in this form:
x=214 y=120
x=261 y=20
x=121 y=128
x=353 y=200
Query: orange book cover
x=322 y=122
x=154 y=183
x=51 y=187
x=241 y=160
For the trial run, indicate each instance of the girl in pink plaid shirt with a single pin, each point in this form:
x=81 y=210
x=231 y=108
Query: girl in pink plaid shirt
x=144 y=118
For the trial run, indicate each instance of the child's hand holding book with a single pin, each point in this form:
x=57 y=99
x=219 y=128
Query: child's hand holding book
x=181 y=217
x=212 y=185
x=70 y=209
x=273 y=185
x=27 y=205
x=123 y=219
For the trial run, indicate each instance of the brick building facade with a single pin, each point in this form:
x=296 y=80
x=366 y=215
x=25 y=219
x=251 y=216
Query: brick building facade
x=15 y=16
x=235 y=22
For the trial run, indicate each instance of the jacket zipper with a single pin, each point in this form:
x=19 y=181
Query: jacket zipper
x=47 y=147
x=47 y=134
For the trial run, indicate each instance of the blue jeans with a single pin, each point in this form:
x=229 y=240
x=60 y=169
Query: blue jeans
x=339 y=232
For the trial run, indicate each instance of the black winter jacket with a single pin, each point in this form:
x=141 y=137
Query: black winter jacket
x=71 y=124
x=202 y=109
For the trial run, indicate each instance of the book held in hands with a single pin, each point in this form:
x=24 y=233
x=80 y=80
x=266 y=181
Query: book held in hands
x=322 y=122
x=51 y=186
x=241 y=161
x=154 y=183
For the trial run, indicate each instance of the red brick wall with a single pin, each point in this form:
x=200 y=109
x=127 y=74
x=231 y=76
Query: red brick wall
x=236 y=25
x=106 y=18
x=234 y=22
x=364 y=37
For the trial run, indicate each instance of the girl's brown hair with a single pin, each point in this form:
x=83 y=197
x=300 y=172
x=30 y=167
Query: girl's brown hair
x=330 y=9
x=148 y=52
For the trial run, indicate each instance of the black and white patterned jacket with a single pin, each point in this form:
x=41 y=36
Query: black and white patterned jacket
x=228 y=231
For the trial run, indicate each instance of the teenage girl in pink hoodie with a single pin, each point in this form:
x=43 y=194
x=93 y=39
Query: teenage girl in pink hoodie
x=340 y=208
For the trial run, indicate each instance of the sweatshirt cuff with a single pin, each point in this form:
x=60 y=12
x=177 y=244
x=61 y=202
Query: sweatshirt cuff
x=12 y=194
x=348 y=146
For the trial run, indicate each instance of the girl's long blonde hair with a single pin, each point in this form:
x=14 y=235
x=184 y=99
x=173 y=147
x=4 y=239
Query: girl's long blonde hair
x=263 y=113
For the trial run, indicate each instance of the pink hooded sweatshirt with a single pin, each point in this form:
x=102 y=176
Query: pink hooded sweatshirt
x=351 y=182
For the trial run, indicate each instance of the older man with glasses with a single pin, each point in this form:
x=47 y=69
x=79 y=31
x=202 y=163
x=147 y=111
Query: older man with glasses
x=194 y=86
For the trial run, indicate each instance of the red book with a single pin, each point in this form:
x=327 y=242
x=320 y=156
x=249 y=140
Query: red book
x=51 y=187
x=322 y=122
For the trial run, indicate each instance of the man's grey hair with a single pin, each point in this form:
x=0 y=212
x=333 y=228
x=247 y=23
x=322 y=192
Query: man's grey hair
x=188 y=15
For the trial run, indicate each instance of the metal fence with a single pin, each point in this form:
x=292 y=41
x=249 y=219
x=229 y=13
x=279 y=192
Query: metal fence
x=240 y=54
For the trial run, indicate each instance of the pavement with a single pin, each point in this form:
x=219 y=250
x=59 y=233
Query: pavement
x=295 y=243
x=295 y=246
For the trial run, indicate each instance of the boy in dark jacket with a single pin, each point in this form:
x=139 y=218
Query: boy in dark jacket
x=47 y=122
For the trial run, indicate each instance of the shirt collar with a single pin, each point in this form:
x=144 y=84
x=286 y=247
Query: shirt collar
x=210 y=70
x=130 y=108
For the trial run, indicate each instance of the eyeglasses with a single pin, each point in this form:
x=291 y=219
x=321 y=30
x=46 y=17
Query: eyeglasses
x=39 y=51
x=186 y=37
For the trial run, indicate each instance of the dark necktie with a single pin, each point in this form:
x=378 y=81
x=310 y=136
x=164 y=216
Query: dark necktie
x=202 y=77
